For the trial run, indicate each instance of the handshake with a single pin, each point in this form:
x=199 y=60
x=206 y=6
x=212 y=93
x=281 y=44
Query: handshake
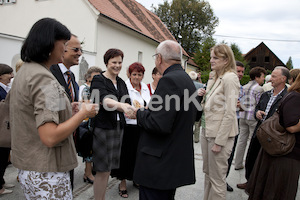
x=130 y=111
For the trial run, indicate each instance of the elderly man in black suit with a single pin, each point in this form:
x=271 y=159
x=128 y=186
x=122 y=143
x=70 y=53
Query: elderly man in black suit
x=66 y=77
x=165 y=156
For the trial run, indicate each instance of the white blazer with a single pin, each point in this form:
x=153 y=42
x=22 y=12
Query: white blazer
x=140 y=97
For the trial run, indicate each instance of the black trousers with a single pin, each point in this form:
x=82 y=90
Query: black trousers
x=4 y=155
x=72 y=178
x=154 y=194
x=230 y=159
x=252 y=154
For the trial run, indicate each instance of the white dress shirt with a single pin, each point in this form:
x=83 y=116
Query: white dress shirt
x=64 y=69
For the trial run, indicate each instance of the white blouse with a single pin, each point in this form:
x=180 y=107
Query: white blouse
x=140 y=97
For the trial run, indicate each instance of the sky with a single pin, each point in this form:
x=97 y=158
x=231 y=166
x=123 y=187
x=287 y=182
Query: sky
x=247 y=23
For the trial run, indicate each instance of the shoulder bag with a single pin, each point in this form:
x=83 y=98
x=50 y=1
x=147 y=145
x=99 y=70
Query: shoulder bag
x=274 y=138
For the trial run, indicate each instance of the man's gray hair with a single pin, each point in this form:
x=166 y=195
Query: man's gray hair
x=193 y=75
x=284 y=72
x=170 y=50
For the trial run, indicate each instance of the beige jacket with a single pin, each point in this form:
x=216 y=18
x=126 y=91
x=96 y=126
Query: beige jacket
x=36 y=98
x=219 y=107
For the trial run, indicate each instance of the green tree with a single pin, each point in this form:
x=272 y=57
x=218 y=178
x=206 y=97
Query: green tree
x=289 y=63
x=202 y=55
x=189 y=21
x=239 y=56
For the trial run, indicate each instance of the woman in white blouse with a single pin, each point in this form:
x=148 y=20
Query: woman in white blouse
x=140 y=96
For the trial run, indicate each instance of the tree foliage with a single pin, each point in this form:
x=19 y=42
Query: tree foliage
x=289 y=63
x=189 y=21
x=202 y=55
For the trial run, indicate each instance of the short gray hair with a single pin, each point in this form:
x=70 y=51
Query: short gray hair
x=170 y=50
x=284 y=72
x=193 y=75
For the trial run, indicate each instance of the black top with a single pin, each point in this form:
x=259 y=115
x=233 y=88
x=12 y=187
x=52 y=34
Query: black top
x=3 y=93
x=289 y=116
x=104 y=86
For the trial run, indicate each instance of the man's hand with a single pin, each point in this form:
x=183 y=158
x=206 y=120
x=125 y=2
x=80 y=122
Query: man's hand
x=129 y=111
x=260 y=114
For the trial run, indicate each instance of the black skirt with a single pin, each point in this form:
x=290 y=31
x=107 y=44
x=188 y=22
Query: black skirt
x=107 y=149
x=128 y=153
x=273 y=178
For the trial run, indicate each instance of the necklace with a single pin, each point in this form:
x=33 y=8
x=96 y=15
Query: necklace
x=139 y=88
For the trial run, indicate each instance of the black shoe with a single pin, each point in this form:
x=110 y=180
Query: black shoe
x=229 y=188
x=88 y=180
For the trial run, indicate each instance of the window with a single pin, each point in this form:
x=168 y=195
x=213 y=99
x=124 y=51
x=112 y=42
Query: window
x=253 y=59
x=267 y=59
x=7 y=1
x=140 y=57
x=10 y=1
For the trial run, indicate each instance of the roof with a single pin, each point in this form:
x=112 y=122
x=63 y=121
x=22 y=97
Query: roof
x=264 y=45
x=135 y=16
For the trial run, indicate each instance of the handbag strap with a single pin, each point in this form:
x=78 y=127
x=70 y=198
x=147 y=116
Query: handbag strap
x=282 y=100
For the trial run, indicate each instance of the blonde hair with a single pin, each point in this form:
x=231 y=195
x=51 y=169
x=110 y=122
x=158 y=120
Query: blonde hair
x=296 y=85
x=225 y=52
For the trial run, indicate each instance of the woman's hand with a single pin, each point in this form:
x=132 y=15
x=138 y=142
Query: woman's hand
x=89 y=109
x=129 y=111
x=201 y=92
x=75 y=107
x=216 y=148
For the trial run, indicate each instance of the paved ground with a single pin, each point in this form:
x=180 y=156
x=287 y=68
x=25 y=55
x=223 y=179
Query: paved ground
x=84 y=191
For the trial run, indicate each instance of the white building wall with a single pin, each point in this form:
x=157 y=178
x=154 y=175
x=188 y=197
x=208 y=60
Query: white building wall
x=18 y=18
x=113 y=35
x=97 y=32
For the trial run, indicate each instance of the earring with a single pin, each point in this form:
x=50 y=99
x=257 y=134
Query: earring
x=50 y=54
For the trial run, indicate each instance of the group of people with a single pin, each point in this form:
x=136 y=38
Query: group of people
x=143 y=132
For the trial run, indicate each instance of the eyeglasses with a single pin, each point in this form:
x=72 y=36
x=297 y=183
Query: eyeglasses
x=154 y=56
x=76 y=49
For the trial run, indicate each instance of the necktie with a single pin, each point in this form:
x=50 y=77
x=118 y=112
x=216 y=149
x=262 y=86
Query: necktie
x=69 y=84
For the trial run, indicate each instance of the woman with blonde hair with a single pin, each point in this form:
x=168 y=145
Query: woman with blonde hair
x=219 y=122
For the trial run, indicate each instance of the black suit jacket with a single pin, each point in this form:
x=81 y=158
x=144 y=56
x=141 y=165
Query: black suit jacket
x=3 y=93
x=165 y=155
x=60 y=77
x=262 y=105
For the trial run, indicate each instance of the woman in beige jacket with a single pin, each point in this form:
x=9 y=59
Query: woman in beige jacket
x=219 y=121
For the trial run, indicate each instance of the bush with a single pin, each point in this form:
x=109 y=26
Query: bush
x=245 y=79
x=204 y=78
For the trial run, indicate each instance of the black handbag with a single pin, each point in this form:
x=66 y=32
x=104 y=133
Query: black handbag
x=84 y=141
